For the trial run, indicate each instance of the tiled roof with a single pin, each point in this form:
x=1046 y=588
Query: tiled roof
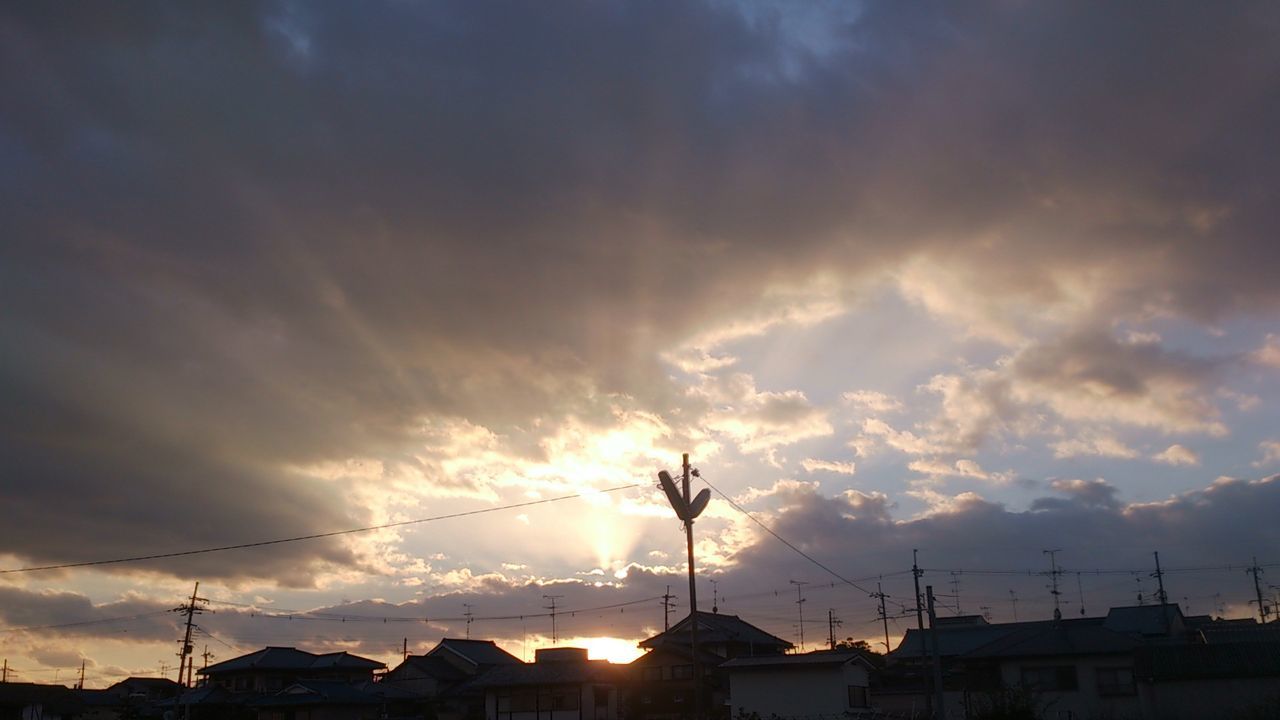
x=1145 y=619
x=1194 y=661
x=434 y=667
x=287 y=658
x=718 y=628
x=320 y=692
x=1057 y=639
x=480 y=652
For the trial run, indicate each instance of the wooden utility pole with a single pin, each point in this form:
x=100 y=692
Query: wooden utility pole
x=185 y=659
x=916 y=572
x=666 y=609
x=693 y=591
x=884 y=617
x=938 y=691
x=1255 y=571
x=832 y=622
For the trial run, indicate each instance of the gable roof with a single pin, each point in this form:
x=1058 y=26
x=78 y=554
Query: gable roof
x=717 y=628
x=432 y=666
x=287 y=658
x=476 y=652
x=1145 y=619
x=1057 y=639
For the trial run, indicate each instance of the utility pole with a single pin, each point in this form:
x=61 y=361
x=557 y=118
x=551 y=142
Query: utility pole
x=688 y=507
x=800 y=607
x=1080 y=588
x=552 y=608
x=938 y=691
x=404 y=651
x=81 y=685
x=1013 y=599
x=832 y=622
x=468 y=615
x=666 y=609
x=916 y=572
x=185 y=659
x=955 y=590
x=206 y=655
x=1256 y=571
x=715 y=596
x=1054 y=572
x=884 y=615
x=1159 y=576
x=4 y=674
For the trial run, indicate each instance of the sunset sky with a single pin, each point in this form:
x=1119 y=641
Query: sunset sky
x=983 y=279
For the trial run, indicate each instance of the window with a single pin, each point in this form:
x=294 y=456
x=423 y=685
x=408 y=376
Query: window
x=681 y=672
x=1115 y=681
x=857 y=696
x=1050 y=678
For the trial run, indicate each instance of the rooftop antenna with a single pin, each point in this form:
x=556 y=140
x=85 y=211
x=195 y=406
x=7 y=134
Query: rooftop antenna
x=552 y=608
x=800 y=607
x=1013 y=599
x=468 y=615
x=1054 y=572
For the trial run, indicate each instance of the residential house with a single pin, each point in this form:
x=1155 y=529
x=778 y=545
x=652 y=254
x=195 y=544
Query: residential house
x=1236 y=674
x=32 y=701
x=823 y=684
x=335 y=700
x=440 y=678
x=662 y=681
x=272 y=669
x=561 y=684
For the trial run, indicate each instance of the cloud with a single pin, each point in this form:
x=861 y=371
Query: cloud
x=872 y=401
x=1270 y=450
x=814 y=465
x=1093 y=443
x=500 y=221
x=1177 y=455
x=1269 y=353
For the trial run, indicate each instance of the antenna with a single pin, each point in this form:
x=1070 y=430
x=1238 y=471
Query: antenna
x=667 y=604
x=468 y=615
x=1054 y=572
x=1013 y=599
x=955 y=589
x=552 y=608
x=800 y=607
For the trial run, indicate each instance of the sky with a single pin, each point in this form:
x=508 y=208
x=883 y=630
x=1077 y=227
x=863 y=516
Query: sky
x=980 y=280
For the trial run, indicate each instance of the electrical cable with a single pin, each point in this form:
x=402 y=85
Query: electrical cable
x=315 y=536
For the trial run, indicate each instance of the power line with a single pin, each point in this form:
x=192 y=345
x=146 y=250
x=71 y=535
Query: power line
x=784 y=541
x=80 y=623
x=315 y=536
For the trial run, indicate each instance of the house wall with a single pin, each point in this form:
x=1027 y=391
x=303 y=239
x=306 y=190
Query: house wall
x=587 y=707
x=1085 y=701
x=407 y=677
x=794 y=692
x=1195 y=699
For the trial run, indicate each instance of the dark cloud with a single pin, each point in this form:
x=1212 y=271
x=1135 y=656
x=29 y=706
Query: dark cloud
x=242 y=237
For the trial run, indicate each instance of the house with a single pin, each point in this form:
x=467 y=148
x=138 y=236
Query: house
x=661 y=685
x=440 y=678
x=1231 y=678
x=32 y=701
x=334 y=700
x=826 y=683
x=271 y=669
x=561 y=684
